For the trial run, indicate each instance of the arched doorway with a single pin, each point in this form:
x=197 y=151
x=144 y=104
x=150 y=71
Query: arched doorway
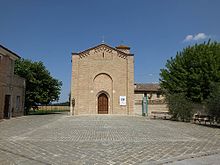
x=102 y=104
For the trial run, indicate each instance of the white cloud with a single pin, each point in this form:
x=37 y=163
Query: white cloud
x=188 y=38
x=199 y=36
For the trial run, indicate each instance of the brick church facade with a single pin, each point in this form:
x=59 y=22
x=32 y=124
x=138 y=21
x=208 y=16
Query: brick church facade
x=103 y=81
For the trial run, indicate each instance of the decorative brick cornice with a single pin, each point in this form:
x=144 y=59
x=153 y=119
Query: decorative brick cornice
x=84 y=54
x=102 y=48
x=121 y=55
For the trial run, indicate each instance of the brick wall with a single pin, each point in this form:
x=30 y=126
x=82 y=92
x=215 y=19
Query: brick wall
x=53 y=107
x=154 y=104
x=102 y=69
x=11 y=85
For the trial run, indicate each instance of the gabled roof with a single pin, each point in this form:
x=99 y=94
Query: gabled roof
x=149 y=87
x=12 y=53
x=105 y=45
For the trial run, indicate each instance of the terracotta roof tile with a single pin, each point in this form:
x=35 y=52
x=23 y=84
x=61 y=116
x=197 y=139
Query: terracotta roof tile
x=122 y=47
x=149 y=87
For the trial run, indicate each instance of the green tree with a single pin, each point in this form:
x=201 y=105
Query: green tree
x=213 y=102
x=41 y=87
x=192 y=71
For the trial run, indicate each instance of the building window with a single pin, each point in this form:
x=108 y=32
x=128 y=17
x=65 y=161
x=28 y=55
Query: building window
x=158 y=95
x=18 y=100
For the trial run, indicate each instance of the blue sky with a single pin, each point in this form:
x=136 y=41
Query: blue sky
x=49 y=30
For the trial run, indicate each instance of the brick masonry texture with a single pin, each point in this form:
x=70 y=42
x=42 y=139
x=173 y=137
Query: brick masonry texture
x=10 y=84
x=102 y=69
x=102 y=139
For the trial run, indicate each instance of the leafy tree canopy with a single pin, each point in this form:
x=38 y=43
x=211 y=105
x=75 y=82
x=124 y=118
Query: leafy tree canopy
x=213 y=102
x=192 y=71
x=41 y=87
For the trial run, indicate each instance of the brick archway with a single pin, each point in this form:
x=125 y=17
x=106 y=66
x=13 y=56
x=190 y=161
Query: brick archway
x=102 y=104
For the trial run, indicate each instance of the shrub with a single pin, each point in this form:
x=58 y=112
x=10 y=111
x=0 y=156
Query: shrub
x=213 y=102
x=179 y=107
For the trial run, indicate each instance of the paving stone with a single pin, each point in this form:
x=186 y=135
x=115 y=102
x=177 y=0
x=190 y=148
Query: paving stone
x=102 y=139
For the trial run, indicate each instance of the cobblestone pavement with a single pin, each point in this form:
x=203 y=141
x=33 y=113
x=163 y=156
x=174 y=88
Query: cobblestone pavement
x=102 y=139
